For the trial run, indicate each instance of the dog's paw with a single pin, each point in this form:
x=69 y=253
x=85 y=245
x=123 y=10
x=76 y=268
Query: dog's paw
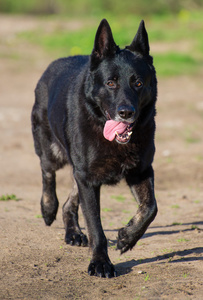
x=101 y=269
x=76 y=239
x=126 y=241
x=49 y=212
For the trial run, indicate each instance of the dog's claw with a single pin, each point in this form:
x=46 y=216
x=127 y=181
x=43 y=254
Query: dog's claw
x=124 y=243
x=90 y=272
x=101 y=269
x=76 y=239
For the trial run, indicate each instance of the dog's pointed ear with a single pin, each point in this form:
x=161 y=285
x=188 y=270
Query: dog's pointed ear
x=104 y=44
x=140 y=43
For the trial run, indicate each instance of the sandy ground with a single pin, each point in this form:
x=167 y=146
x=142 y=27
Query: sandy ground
x=35 y=262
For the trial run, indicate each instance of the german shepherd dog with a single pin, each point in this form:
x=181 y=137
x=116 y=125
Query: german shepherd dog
x=97 y=113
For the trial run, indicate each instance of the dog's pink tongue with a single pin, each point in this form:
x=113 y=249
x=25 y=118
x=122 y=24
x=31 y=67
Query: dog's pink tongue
x=111 y=127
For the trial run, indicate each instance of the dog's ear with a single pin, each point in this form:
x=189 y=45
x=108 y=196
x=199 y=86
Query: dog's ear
x=140 y=43
x=104 y=45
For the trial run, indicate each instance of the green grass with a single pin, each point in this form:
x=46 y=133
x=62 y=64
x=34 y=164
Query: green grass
x=166 y=30
x=197 y=201
x=147 y=277
x=126 y=211
x=176 y=223
x=183 y=240
x=106 y=209
x=166 y=250
x=193 y=227
x=92 y=7
x=9 y=197
x=174 y=64
x=199 y=157
x=38 y=216
x=175 y=206
x=118 y=198
x=192 y=140
x=61 y=43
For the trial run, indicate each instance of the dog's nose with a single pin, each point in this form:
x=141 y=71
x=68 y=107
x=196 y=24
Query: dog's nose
x=126 y=111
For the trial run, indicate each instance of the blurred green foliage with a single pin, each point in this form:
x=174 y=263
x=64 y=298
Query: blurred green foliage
x=174 y=26
x=95 y=7
x=176 y=42
x=174 y=64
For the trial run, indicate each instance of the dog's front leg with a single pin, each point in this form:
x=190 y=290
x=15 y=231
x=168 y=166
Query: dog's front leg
x=89 y=197
x=142 y=188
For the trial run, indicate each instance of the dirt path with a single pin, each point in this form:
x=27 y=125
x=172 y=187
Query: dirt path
x=36 y=263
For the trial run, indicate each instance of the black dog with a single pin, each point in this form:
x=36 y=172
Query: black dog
x=97 y=113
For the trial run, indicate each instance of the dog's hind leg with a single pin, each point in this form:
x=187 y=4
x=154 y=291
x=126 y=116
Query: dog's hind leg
x=73 y=235
x=49 y=201
x=143 y=190
x=52 y=159
x=50 y=153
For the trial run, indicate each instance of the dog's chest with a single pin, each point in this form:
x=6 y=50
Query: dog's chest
x=110 y=167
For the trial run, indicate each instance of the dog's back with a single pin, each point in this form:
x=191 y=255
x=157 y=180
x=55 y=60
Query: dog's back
x=50 y=98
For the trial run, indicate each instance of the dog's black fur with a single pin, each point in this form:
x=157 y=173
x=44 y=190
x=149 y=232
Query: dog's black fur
x=74 y=98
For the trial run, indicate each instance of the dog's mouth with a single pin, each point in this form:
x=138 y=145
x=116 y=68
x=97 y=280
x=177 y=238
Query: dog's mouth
x=120 y=131
x=124 y=138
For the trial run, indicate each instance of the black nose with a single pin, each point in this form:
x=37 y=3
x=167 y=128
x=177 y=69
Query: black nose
x=126 y=111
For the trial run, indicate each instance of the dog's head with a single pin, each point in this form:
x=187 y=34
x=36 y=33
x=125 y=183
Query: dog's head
x=121 y=87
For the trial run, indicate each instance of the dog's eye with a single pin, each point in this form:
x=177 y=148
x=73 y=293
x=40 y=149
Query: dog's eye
x=111 y=84
x=138 y=83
